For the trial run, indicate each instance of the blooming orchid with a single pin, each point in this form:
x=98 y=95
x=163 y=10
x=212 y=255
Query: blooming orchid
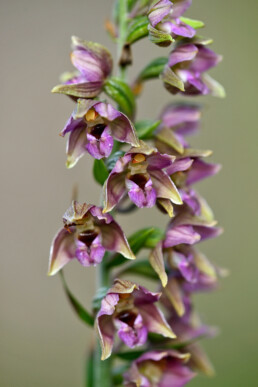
x=165 y=22
x=147 y=162
x=140 y=173
x=86 y=235
x=129 y=309
x=93 y=127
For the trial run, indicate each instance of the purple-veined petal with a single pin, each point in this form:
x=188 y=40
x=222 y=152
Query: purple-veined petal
x=158 y=11
x=181 y=29
x=179 y=165
x=190 y=198
x=62 y=251
x=114 y=190
x=88 y=65
x=181 y=234
x=113 y=239
x=76 y=146
x=104 y=324
x=201 y=170
x=184 y=53
x=164 y=187
x=100 y=146
x=158 y=161
x=141 y=196
x=79 y=90
x=71 y=125
x=204 y=60
x=179 y=114
x=155 y=321
x=96 y=50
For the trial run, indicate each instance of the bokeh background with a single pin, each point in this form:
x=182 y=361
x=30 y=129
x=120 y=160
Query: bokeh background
x=42 y=342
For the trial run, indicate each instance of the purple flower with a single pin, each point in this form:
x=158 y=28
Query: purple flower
x=166 y=368
x=194 y=222
x=186 y=70
x=93 y=126
x=165 y=23
x=140 y=173
x=94 y=64
x=86 y=235
x=178 y=121
x=129 y=309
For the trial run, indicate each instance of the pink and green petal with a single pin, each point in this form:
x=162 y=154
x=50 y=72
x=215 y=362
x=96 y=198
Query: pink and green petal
x=62 y=251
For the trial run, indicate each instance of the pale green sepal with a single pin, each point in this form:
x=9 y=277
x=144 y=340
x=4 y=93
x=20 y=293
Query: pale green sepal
x=192 y=22
x=158 y=37
x=171 y=79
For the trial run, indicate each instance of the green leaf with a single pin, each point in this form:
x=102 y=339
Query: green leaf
x=100 y=171
x=154 y=238
x=158 y=37
x=89 y=374
x=122 y=94
x=96 y=302
x=138 y=29
x=142 y=268
x=111 y=161
x=130 y=355
x=192 y=23
x=153 y=69
x=146 y=128
x=81 y=312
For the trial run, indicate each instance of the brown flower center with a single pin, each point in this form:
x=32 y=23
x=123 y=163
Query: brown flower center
x=97 y=130
x=87 y=237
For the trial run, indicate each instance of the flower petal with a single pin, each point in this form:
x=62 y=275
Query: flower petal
x=201 y=170
x=164 y=187
x=158 y=11
x=181 y=234
x=80 y=90
x=114 y=190
x=174 y=294
x=113 y=239
x=155 y=321
x=76 y=146
x=104 y=325
x=62 y=251
x=157 y=262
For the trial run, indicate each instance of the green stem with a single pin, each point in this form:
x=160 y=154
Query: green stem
x=102 y=369
x=122 y=34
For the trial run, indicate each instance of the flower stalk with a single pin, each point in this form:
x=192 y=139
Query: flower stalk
x=141 y=164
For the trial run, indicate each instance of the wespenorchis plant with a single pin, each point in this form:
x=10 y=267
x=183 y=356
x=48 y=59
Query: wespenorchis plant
x=143 y=338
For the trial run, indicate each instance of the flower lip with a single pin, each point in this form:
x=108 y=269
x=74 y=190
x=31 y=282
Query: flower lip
x=139 y=179
x=87 y=237
x=97 y=130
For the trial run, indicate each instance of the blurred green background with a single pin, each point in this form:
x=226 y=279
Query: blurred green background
x=42 y=342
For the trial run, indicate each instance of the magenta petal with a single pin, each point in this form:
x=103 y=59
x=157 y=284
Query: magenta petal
x=134 y=335
x=179 y=165
x=179 y=7
x=182 y=29
x=185 y=117
x=102 y=146
x=114 y=190
x=88 y=65
x=158 y=161
x=204 y=60
x=201 y=170
x=158 y=11
x=72 y=125
x=176 y=375
x=181 y=234
x=184 y=53
x=90 y=256
x=141 y=196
